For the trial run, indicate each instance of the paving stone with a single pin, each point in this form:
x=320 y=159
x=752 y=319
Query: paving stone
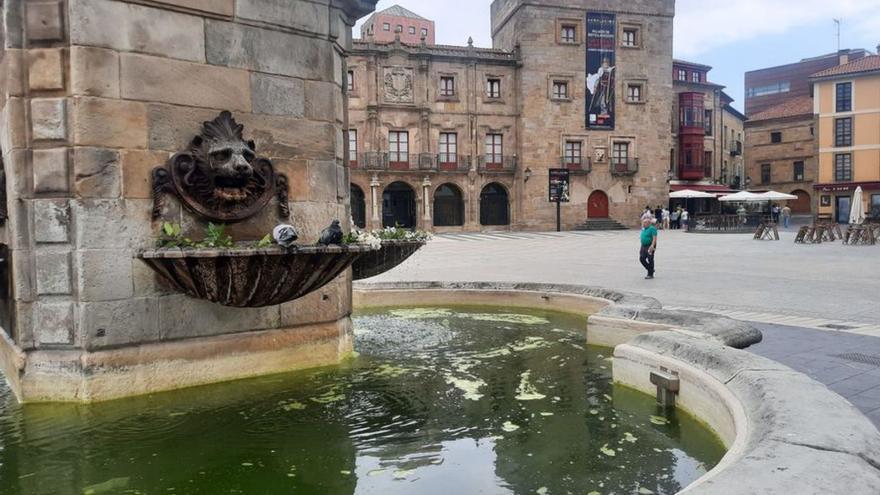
x=104 y=275
x=109 y=123
x=51 y=221
x=94 y=71
x=45 y=21
x=184 y=83
x=305 y=16
x=46 y=69
x=128 y=27
x=53 y=322
x=53 y=272
x=96 y=173
x=51 y=170
x=48 y=118
x=265 y=50
x=115 y=323
x=276 y=95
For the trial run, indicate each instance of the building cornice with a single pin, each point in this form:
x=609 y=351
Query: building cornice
x=466 y=54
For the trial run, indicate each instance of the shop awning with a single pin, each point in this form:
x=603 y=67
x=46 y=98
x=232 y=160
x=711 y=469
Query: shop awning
x=846 y=186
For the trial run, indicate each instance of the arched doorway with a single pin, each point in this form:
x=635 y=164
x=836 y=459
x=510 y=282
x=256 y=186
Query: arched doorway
x=399 y=206
x=358 y=207
x=494 y=205
x=448 y=206
x=597 y=205
x=801 y=205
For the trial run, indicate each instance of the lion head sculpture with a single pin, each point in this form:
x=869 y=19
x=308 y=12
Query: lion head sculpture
x=220 y=175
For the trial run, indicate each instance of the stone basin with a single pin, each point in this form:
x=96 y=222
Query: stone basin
x=252 y=277
x=393 y=253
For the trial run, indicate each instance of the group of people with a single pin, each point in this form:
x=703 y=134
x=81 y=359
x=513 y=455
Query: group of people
x=662 y=218
x=784 y=212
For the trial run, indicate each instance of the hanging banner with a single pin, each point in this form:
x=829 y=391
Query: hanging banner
x=601 y=37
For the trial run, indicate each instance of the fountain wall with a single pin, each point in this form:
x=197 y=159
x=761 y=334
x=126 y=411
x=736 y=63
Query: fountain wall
x=98 y=93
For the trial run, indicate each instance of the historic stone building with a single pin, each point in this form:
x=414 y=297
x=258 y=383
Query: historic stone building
x=463 y=138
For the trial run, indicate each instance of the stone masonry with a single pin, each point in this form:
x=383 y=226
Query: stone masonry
x=94 y=95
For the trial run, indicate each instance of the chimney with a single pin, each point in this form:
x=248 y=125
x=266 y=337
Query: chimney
x=843 y=57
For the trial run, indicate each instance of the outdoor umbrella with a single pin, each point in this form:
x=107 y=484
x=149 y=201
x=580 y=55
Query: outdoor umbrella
x=690 y=194
x=857 y=213
x=742 y=196
x=777 y=196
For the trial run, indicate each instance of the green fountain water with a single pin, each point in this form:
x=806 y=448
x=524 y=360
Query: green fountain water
x=438 y=401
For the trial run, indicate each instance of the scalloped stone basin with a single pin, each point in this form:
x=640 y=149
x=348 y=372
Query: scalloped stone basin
x=252 y=277
x=393 y=253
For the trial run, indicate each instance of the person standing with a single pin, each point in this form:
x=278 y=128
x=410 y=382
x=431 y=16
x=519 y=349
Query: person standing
x=665 y=219
x=775 y=212
x=647 y=215
x=684 y=219
x=675 y=217
x=658 y=215
x=786 y=216
x=648 y=239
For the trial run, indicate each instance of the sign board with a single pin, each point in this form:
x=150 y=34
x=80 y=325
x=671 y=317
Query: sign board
x=601 y=68
x=559 y=185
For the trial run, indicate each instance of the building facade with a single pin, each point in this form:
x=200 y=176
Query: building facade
x=847 y=107
x=464 y=138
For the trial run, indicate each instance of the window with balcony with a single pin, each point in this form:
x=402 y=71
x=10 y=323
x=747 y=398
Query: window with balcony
x=765 y=173
x=798 y=171
x=843 y=167
x=634 y=93
x=352 y=147
x=630 y=38
x=573 y=155
x=775 y=137
x=560 y=90
x=447 y=86
x=493 y=87
x=620 y=154
x=448 y=149
x=494 y=157
x=843 y=132
x=843 y=93
x=568 y=33
x=398 y=149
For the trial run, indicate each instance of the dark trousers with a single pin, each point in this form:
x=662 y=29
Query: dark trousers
x=647 y=260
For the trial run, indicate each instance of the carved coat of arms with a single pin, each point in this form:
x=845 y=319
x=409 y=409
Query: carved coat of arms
x=398 y=85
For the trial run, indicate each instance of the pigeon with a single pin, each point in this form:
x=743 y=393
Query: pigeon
x=331 y=235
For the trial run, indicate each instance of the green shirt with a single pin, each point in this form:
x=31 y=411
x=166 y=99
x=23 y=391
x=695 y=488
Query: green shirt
x=648 y=235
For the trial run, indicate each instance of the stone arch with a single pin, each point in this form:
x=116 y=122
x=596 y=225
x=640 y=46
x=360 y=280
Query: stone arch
x=803 y=205
x=494 y=204
x=597 y=204
x=399 y=205
x=448 y=206
x=358 y=206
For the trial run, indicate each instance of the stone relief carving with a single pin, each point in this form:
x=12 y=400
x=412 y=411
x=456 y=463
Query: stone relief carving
x=219 y=176
x=398 y=85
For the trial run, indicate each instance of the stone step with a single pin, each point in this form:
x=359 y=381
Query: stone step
x=601 y=224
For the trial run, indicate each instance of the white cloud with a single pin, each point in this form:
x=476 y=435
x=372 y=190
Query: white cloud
x=702 y=25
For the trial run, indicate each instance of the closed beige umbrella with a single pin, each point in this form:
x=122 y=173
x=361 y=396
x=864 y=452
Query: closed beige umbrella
x=857 y=212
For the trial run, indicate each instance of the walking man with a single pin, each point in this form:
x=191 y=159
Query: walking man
x=786 y=215
x=649 y=245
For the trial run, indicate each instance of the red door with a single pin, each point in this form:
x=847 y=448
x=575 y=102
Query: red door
x=597 y=205
x=802 y=204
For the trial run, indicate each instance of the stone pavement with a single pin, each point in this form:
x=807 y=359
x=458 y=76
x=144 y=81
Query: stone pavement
x=820 y=286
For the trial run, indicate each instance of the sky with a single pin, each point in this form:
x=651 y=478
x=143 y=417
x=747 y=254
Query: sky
x=733 y=36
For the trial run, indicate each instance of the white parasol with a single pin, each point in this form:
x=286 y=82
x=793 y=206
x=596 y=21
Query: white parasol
x=777 y=196
x=742 y=196
x=690 y=194
x=857 y=213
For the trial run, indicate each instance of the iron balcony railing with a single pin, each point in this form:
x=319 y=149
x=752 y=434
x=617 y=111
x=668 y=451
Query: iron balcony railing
x=627 y=166
x=736 y=148
x=507 y=165
x=373 y=160
x=576 y=164
x=452 y=162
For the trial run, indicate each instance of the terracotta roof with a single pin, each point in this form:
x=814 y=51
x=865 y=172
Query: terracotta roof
x=866 y=64
x=398 y=11
x=692 y=64
x=801 y=105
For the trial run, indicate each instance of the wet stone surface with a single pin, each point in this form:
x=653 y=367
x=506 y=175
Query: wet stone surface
x=471 y=400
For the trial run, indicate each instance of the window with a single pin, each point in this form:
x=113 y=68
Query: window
x=707 y=164
x=494 y=149
x=399 y=28
x=630 y=37
x=424 y=33
x=573 y=156
x=350 y=82
x=775 y=137
x=412 y=30
x=844 y=97
x=707 y=122
x=875 y=205
x=620 y=153
x=696 y=77
x=798 y=171
x=386 y=27
x=568 y=33
x=682 y=75
x=765 y=173
x=843 y=132
x=772 y=89
x=493 y=88
x=398 y=147
x=448 y=147
x=447 y=86
x=634 y=93
x=352 y=146
x=560 y=90
x=843 y=167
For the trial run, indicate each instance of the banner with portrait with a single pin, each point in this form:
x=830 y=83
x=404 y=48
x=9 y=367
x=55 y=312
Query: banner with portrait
x=601 y=69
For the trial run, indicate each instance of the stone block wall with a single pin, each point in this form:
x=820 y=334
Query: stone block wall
x=798 y=144
x=96 y=93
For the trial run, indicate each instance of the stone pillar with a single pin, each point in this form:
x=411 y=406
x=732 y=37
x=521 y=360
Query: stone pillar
x=426 y=207
x=94 y=95
x=374 y=200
